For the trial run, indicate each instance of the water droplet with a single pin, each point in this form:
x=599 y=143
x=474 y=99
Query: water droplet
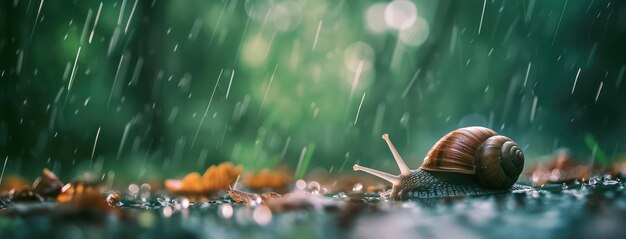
x=167 y=212
x=314 y=187
x=226 y=211
x=300 y=184
x=340 y=195
x=181 y=203
x=534 y=194
x=133 y=188
x=185 y=203
x=262 y=215
x=593 y=181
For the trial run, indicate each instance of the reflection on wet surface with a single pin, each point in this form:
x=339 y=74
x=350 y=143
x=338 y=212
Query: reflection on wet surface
x=577 y=210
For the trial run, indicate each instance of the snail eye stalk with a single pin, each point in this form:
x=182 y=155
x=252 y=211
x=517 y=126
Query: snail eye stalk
x=404 y=170
x=393 y=179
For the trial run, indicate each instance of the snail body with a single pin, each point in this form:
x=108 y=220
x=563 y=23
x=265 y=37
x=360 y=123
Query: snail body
x=466 y=162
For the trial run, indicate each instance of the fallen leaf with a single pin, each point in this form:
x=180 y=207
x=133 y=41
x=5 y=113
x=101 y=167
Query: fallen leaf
x=265 y=179
x=48 y=186
x=12 y=182
x=76 y=190
x=216 y=178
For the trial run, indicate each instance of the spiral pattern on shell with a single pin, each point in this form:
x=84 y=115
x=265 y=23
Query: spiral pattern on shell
x=456 y=151
x=499 y=162
x=496 y=160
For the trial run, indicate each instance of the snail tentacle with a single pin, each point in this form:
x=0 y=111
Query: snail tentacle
x=393 y=179
x=404 y=169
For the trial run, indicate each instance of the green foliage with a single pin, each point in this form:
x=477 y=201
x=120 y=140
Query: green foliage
x=295 y=73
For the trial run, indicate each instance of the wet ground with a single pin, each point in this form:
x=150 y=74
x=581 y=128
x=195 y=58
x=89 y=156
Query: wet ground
x=595 y=209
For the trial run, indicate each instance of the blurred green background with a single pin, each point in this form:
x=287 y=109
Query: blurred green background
x=166 y=87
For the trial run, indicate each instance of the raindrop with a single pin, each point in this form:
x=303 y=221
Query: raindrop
x=132 y=12
x=195 y=29
x=599 y=90
x=93 y=151
x=317 y=34
x=575 y=81
x=359 y=110
x=533 y=109
x=3 y=167
x=559 y=24
x=482 y=15
x=207 y=108
x=95 y=23
x=262 y=215
x=527 y=73
x=69 y=84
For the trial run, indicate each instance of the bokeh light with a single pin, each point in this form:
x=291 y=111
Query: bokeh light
x=375 y=18
x=400 y=14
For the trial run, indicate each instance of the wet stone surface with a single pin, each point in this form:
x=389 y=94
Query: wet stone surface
x=594 y=209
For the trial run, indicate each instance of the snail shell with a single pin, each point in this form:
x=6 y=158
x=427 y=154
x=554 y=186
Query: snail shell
x=467 y=161
x=496 y=160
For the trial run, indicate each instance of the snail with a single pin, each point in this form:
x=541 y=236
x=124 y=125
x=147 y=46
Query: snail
x=466 y=162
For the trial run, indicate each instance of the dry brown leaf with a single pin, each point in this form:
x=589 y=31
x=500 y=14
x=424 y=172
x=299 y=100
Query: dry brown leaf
x=192 y=182
x=48 y=186
x=74 y=191
x=215 y=178
x=83 y=196
x=274 y=180
x=12 y=182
